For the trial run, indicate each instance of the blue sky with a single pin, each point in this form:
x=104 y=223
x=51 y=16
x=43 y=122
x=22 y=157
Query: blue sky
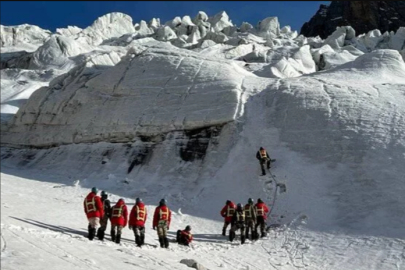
x=59 y=14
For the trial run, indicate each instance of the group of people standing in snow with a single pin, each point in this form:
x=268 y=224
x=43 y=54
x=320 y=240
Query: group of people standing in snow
x=246 y=218
x=99 y=211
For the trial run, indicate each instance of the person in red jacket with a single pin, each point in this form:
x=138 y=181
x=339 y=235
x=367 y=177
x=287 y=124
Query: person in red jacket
x=161 y=221
x=137 y=220
x=93 y=207
x=119 y=219
x=227 y=212
x=261 y=213
x=184 y=237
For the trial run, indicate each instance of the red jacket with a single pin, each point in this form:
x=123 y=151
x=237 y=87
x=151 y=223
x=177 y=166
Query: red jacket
x=162 y=213
x=119 y=214
x=261 y=209
x=93 y=207
x=227 y=211
x=138 y=215
x=186 y=236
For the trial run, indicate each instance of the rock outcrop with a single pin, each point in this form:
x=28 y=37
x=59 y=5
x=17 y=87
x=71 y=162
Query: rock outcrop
x=362 y=16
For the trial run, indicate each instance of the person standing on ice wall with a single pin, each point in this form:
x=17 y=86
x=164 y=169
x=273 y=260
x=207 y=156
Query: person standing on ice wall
x=137 y=220
x=263 y=158
x=107 y=214
x=161 y=222
x=119 y=219
x=261 y=211
x=238 y=223
x=93 y=207
x=227 y=213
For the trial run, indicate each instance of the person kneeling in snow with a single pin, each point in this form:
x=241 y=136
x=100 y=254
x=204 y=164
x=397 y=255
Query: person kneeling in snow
x=119 y=219
x=184 y=237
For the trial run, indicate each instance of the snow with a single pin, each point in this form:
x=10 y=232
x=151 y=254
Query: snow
x=398 y=40
x=178 y=111
x=269 y=28
x=24 y=34
x=108 y=26
x=219 y=21
x=165 y=34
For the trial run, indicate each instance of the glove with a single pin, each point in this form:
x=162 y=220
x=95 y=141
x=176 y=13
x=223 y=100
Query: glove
x=154 y=228
x=130 y=227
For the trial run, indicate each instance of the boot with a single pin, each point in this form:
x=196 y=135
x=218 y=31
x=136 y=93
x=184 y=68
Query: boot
x=100 y=234
x=142 y=239
x=118 y=238
x=166 y=242
x=112 y=235
x=264 y=234
x=255 y=235
x=231 y=235
x=242 y=238
x=224 y=231
x=92 y=233
x=247 y=233
x=138 y=240
x=88 y=231
x=178 y=236
x=161 y=241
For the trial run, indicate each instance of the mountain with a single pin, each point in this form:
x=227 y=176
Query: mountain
x=178 y=110
x=362 y=16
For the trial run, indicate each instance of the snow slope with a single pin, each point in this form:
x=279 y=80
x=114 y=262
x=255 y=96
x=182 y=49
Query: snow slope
x=178 y=111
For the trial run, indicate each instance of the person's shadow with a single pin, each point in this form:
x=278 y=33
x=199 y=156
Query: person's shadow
x=208 y=238
x=60 y=229
x=71 y=232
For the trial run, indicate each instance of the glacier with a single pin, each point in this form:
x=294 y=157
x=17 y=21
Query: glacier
x=178 y=110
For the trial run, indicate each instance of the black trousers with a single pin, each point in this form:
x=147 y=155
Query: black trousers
x=263 y=161
x=262 y=223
